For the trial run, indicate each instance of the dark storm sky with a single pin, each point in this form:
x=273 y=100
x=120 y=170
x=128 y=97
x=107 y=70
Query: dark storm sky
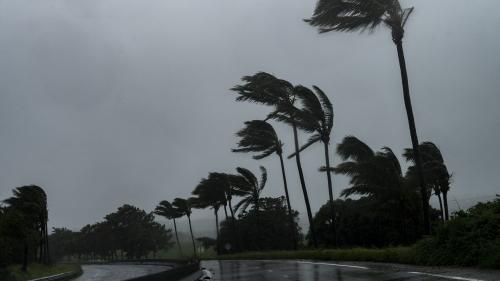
x=106 y=102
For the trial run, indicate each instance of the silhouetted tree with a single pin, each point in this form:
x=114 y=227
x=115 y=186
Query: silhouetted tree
x=260 y=136
x=317 y=118
x=354 y=15
x=436 y=174
x=251 y=187
x=264 y=88
x=210 y=193
x=166 y=210
x=184 y=206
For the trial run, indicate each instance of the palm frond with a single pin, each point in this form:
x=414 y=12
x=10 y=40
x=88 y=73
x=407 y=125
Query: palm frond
x=263 y=178
x=312 y=140
x=352 y=147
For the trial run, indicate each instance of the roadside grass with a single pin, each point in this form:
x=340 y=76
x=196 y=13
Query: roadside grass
x=388 y=255
x=187 y=252
x=36 y=270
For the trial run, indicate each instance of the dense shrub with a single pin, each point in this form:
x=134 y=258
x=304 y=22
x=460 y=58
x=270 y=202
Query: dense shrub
x=471 y=238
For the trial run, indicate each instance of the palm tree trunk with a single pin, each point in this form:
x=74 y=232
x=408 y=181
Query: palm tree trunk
x=217 y=242
x=192 y=236
x=303 y=185
x=440 y=206
x=177 y=238
x=413 y=134
x=225 y=211
x=330 y=192
x=236 y=234
x=290 y=213
x=445 y=202
x=47 y=252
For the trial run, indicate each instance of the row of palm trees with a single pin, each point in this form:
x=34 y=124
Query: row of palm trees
x=216 y=191
x=312 y=112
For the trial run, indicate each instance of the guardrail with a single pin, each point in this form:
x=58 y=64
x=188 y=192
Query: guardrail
x=61 y=276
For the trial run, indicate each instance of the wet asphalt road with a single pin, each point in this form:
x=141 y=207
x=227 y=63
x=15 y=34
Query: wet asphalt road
x=315 y=271
x=117 y=272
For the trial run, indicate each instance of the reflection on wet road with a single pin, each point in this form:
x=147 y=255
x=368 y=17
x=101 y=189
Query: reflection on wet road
x=117 y=272
x=307 y=271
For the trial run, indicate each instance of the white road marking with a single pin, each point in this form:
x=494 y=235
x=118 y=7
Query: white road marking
x=446 y=276
x=334 y=264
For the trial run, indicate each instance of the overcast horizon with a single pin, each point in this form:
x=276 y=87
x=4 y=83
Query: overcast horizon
x=107 y=102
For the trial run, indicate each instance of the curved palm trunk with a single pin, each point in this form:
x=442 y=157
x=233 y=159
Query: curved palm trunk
x=445 y=202
x=236 y=234
x=440 y=206
x=303 y=185
x=290 y=213
x=413 y=134
x=330 y=193
x=225 y=211
x=177 y=238
x=192 y=236
x=217 y=244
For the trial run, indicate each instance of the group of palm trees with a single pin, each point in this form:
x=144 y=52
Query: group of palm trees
x=311 y=111
x=215 y=191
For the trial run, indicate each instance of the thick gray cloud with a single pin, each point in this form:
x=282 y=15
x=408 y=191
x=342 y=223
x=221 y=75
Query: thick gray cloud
x=105 y=102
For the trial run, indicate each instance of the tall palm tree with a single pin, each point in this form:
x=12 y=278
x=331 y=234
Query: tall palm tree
x=184 y=206
x=166 y=210
x=210 y=194
x=354 y=15
x=251 y=187
x=264 y=88
x=259 y=136
x=317 y=113
x=436 y=173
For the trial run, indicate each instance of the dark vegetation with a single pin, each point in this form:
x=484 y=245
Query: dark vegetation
x=128 y=233
x=383 y=206
x=23 y=228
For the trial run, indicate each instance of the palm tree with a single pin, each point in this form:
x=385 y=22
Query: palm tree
x=317 y=113
x=251 y=188
x=436 y=173
x=166 y=210
x=260 y=136
x=264 y=88
x=184 y=206
x=377 y=175
x=354 y=15
x=210 y=194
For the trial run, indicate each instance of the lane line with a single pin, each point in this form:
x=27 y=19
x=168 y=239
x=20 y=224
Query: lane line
x=334 y=264
x=445 y=276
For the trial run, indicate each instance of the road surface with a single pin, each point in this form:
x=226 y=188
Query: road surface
x=330 y=271
x=117 y=272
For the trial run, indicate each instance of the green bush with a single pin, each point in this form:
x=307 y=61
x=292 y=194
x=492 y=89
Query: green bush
x=472 y=238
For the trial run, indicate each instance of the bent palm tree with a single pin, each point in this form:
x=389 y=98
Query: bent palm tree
x=353 y=15
x=260 y=136
x=166 y=210
x=317 y=113
x=436 y=173
x=210 y=194
x=264 y=88
x=184 y=206
x=251 y=188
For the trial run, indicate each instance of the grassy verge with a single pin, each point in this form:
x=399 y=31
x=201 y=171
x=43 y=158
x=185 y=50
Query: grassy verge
x=36 y=270
x=389 y=255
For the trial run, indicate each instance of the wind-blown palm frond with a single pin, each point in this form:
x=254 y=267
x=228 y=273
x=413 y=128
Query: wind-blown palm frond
x=354 y=15
x=352 y=147
x=167 y=210
x=250 y=188
x=258 y=136
x=312 y=140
